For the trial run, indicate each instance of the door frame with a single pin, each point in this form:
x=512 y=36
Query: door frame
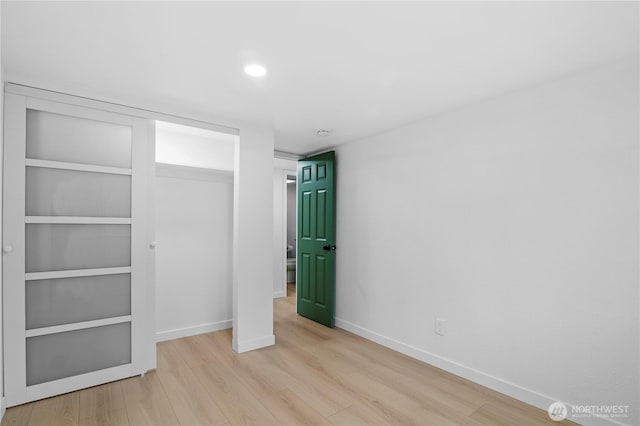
x=285 y=220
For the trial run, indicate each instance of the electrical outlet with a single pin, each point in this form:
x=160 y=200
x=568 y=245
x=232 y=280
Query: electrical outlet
x=441 y=327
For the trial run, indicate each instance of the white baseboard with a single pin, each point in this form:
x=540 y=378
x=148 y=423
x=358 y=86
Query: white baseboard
x=177 y=333
x=253 y=344
x=521 y=393
x=277 y=294
x=3 y=407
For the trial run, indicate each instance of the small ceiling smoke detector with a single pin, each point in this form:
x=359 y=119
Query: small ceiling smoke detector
x=323 y=133
x=255 y=70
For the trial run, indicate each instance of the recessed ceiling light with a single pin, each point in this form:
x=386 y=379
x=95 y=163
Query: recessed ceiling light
x=255 y=70
x=323 y=133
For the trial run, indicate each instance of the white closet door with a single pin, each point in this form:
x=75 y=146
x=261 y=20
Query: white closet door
x=75 y=249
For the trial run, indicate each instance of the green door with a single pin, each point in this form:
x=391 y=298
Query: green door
x=316 y=238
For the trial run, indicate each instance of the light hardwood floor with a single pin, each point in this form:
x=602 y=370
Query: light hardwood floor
x=314 y=375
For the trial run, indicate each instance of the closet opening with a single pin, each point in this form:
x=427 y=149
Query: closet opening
x=194 y=230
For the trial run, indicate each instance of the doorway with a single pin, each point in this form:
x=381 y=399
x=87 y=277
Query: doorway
x=194 y=230
x=291 y=229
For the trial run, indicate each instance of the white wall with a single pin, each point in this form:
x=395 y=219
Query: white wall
x=194 y=224
x=516 y=221
x=253 y=239
x=193 y=147
x=281 y=166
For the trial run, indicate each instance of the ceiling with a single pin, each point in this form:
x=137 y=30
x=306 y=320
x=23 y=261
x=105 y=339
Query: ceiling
x=354 y=68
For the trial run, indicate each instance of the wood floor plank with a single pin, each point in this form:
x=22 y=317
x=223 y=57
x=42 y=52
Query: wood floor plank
x=357 y=415
x=61 y=410
x=18 y=416
x=150 y=413
x=504 y=413
x=320 y=397
x=194 y=351
x=339 y=360
x=138 y=388
x=392 y=405
x=320 y=394
x=490 y=414
x=191 y=403
x=168 y=357
x=289 y=409
x=236 y=401
x=370 y=354
x=263 y=379
x=101 y=401
x=325 y=390
x=113 y=418
x=220 y=344
x=432 y=391
x=146 y=401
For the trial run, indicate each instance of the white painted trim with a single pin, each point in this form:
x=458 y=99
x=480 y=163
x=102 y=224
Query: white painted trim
x=39 y=103
x=150 y=292
x=193 y=173
x=278 y=294
x=142 y=324
x=253 y=344
x=285 y=212
x=178 y=333
x=114 y=107
x=71 y=273
x=285 y=222
x=34 y=332
x=497 y=384
x=3 y=402
x=79 y=220
x=13 y=233
x=68 y=384
x=286 y=155
x=32 y=162
x=322 y=151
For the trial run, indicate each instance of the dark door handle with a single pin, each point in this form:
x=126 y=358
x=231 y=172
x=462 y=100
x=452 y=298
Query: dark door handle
x=329 y=248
